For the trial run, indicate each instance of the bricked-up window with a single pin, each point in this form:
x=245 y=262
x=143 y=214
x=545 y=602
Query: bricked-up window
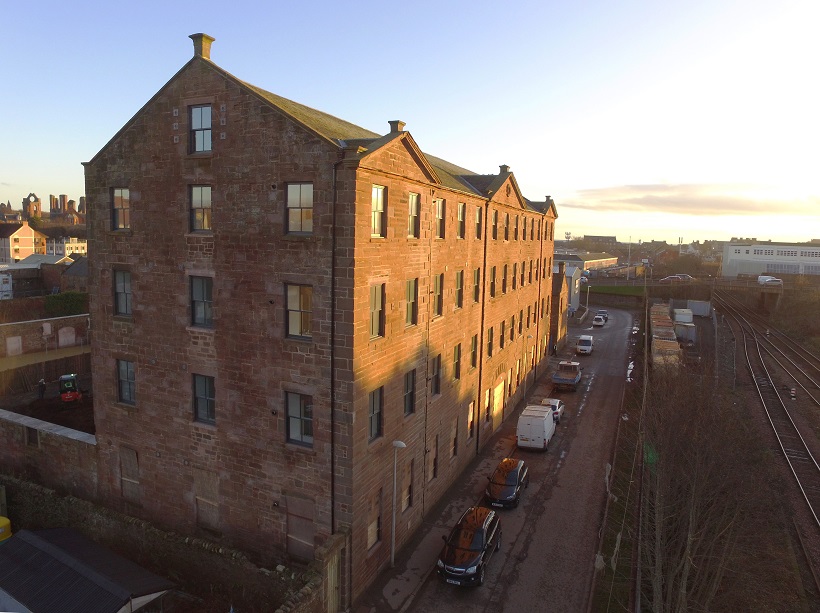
x=377 y=310
x=438 y=295
x=413 y=219
x=529 y=275
x=435 y=382
x=476 y=285
x=462 y=219
x=454 y=438
x=120 y=208
x=457 y=362
x=506 y=226
x=374 y=521
x=432 y=460
x=537 y=269
x=459 y=289
x=524 y=229
x=471 y=420
x=474 y=351
x=515 y=229
x=439 y=210
x=200 y=201
x=378 y=212
x=126 y=382
x=375 y=403
x=529 y=312
x=299 y=308
x=532 y=230
x=129 y=474
x=502 y=335
x=478 y=214
x=410 y=392
x=489 y=342
x=515 y=275
x=523 y=268
x=512 y=328
x=206 y=494
x=122 y=293
x=411 y=312
x=407 y=486
x=299 y=207
x=504 y=279
x=200 y=117
x=204 y=399
x=495 y=225
x=202 y=313
x=300 y=418
x=492 y=282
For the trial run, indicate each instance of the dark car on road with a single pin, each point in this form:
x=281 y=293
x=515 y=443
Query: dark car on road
x=603 y=313
x=507 y=483
x=468 y=549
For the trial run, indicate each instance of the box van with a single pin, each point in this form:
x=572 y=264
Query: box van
x=584 y=344
x=769 y=280
x=535 y=427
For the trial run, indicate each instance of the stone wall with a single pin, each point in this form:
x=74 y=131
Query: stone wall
x=36 y=335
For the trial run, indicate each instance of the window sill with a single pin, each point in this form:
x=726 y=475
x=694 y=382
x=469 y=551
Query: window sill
x=204 y=424
x=199 y=233
x=307 y=237
x=299 y=448
x=200 y=329
x=121 y=232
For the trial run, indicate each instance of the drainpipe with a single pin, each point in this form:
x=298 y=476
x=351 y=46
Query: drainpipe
x=333 y=350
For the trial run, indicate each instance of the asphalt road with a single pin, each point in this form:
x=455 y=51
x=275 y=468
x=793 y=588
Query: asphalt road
x=549 y=542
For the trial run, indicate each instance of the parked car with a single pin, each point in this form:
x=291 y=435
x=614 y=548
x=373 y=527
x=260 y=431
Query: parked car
x=598 y=321
x=584 y=344
x=769 y=280
x=671 y=279
x=469 y=547
x=685 y=278
x=507 y=483
x=603 y=313
x=557 y=407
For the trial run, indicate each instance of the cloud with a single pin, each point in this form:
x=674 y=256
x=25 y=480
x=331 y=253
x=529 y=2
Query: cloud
x=715 y=200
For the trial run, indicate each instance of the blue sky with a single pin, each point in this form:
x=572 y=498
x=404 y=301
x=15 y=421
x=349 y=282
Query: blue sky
x=642 y=119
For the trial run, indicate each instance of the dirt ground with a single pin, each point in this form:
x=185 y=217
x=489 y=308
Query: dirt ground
x=75 y=415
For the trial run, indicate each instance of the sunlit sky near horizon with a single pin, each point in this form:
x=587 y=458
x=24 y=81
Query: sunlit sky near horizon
x=642 y=119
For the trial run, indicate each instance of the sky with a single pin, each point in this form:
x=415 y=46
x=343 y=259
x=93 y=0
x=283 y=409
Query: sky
x=643 y=119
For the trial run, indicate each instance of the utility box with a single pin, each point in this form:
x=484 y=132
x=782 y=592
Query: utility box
x=682 y=316
x=699 y=308
x=6 y=292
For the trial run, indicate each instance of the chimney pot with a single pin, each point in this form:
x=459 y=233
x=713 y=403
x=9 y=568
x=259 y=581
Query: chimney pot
x=504 y=168
x=202 y=45
x=396 y=126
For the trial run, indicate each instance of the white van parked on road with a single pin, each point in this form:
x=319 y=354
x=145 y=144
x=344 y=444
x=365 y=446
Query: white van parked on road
x=535 y=427
x=584 y=344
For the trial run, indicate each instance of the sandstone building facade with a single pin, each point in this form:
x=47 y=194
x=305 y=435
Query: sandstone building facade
x=277 y=296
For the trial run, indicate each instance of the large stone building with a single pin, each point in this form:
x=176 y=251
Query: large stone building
x=278 y=296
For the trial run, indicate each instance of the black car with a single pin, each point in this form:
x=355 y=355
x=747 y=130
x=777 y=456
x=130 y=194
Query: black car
x=471 y=544
x=507 y=482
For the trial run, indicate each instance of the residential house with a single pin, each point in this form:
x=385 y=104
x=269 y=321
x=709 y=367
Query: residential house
x=18 y=241
x=284 y=297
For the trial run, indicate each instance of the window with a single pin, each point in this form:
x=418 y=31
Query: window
x=200 y=201
x=474 y=351
x=515 y=275
x=407 y=487
x=410 y=392
x=454 y=448
x=523 y=266
x=471 y=420
x=438 y=206
x=476 y=285
x=129 y=474
x=492 y=282
x=529 y=276
x=532 y=230
x=300 y=418
x=413 y=221
x=489 y=342
x=122 y=293
x=411 y=315
x=126 y=382
x=457 y=362
x=374 y=521
x=502 y=335
x=459 y=289
x=512 y=328
x=299 y=309
x=438 y=295
x=462 y=219
x=478 y=222
x=200 y=129
x=432 y=467
x=202 y=314
x=378 y=219
x=529 y=311
x=374 y=427
x=495 y=225
x=120 y=209
x=299 y=207
x=524 y=230
x=204 y=399
x=504 y=280
x=377 y=310
x=515 y=229
x=506 y=226
x=436 y=376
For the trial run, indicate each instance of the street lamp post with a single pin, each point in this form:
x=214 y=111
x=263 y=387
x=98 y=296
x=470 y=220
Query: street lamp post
x=396 y=446
x=588 y=286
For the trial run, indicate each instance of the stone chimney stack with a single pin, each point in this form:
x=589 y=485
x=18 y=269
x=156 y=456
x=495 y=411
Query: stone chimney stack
x=562 y=268
x=396 y=126
x=504 y=169
x=202 y=45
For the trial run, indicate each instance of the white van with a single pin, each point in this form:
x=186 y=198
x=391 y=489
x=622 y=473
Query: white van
x=584 y=344
x=535 y=427
x=769 y=280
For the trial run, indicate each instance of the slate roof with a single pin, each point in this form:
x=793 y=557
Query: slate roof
x=79 y=268
x=8 y=229
x=62 y=570
x=35 y=260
